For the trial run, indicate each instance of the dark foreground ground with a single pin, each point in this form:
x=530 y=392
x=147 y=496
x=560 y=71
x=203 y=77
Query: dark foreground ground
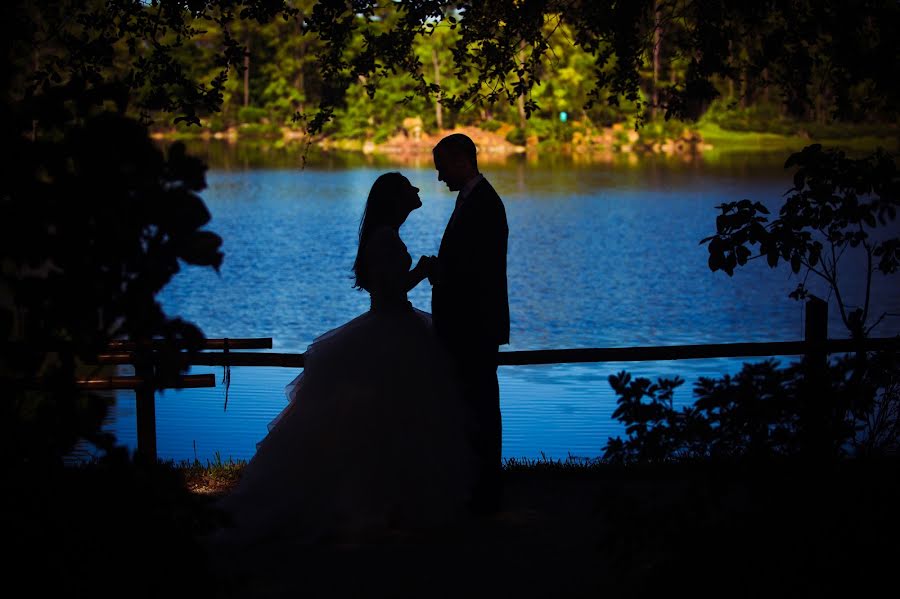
x=759 y=531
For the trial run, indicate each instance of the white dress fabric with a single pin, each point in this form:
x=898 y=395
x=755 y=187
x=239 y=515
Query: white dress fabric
x=373 y=436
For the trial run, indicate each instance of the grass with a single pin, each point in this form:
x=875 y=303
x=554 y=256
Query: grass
x=544 y=465
x=214 y=478
x=578 y=527
x=750 y=140
x=569 y=527
x=846 y=138
x=218 y=476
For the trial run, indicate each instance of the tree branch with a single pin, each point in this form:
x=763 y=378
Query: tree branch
x=868 y=249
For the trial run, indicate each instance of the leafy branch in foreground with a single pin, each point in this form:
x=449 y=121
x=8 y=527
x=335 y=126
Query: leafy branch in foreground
x=836 y=204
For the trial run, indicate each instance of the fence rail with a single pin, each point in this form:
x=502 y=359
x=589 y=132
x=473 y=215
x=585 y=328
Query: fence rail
x=816 y=346
x=135 y=382
x=225 y=343
x=590 y=354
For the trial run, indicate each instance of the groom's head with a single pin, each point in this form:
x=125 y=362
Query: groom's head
x=454 y=159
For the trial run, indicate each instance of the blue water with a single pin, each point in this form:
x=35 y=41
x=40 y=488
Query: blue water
x=599 y=256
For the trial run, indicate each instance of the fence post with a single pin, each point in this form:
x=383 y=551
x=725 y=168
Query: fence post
x=816 y=407
x=145 y=397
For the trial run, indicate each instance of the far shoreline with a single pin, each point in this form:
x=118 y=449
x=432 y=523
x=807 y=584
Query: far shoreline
x=611 y=144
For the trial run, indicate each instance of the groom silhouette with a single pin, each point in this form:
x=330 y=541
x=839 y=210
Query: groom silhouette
x=470 y=305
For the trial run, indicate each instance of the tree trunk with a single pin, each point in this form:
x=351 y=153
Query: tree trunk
x=520 y=101
x=657 y=42
x=744 y=89
x=730 y=78
x=820 y=108
x=247 y=73
x=299 y=82
x=37 y=66
x=438 y=108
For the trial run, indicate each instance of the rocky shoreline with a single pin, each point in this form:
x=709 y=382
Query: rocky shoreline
x=413 y=141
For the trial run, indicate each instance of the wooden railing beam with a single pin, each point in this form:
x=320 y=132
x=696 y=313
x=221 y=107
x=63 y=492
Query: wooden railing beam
x=815 y=344
x=190 y=381
x=603 y=354
x=240 y=343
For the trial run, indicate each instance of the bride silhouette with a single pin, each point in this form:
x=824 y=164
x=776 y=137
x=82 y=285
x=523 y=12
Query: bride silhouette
x=373 y=435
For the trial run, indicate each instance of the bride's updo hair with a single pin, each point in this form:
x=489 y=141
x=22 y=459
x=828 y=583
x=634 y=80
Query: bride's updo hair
x=379 y=212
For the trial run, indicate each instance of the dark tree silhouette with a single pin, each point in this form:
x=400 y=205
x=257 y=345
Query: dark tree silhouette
x=94 y=219
x=835 y=204
x=833 y=59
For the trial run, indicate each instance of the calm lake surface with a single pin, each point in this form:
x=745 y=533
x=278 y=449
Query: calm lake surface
x=600 y=255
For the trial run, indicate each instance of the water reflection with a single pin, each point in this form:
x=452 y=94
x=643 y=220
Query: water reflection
x=600 y=255
x=280 y=154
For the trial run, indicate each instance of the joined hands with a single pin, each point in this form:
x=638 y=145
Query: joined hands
x=429 y=267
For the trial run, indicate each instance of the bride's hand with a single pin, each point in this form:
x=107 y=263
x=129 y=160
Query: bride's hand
x=424 y=266
x=434 y=269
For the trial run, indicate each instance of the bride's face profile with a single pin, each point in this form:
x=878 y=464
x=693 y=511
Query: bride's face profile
x=407 y=200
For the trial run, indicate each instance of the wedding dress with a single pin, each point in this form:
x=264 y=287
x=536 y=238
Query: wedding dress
x=373 y=436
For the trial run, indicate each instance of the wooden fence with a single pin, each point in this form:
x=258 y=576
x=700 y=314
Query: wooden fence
x=815 y=345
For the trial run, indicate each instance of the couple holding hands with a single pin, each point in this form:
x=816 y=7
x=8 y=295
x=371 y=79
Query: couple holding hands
x=395 y=421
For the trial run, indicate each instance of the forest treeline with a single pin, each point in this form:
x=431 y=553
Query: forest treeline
x=281 y=79
x=280 y=83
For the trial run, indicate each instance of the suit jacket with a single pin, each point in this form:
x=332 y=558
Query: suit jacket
x=469 y=301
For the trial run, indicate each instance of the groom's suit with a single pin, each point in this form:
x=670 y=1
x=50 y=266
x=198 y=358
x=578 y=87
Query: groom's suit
x=470 y=307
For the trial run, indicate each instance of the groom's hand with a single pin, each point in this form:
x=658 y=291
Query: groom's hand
x=434 y=270
x=424 y=266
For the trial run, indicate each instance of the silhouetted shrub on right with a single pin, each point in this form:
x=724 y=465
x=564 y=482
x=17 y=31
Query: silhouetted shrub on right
x=750 y=414
x=755 y=414
x=836 y=204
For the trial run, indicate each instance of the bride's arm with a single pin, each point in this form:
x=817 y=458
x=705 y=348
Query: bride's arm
x=387 y=262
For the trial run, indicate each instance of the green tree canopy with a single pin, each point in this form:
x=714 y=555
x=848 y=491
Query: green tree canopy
x=823 y=60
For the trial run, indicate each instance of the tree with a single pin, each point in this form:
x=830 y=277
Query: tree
x=801 y=46
x=93 y=227
x=837 y=204
x=832 y=59
x=288 y=71
x=95 y=219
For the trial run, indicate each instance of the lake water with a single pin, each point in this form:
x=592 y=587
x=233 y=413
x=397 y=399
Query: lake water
x=600 y=255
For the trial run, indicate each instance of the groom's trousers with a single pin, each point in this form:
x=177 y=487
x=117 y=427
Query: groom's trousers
x=478 y=373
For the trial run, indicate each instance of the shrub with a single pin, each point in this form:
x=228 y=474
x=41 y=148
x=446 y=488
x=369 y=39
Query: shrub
x=216 y=123
x=252 y=114
x=517 y=136
x=849 y=407
x=260 y=130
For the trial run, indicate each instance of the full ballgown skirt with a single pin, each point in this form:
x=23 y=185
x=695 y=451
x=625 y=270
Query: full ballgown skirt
x=373 y=436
